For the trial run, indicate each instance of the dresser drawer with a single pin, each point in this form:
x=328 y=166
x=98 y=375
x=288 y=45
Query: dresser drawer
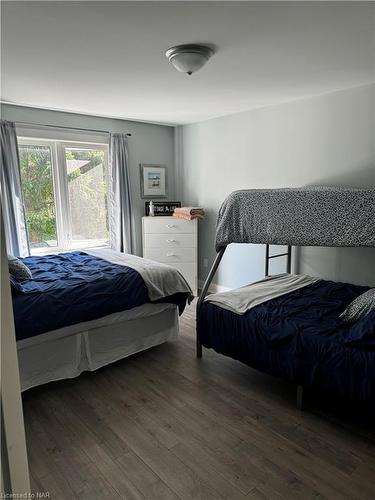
x=170 y=240
x=170 y=255
x=156 y=225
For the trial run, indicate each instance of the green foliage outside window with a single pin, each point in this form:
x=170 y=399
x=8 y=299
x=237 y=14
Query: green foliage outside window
x=37 y=186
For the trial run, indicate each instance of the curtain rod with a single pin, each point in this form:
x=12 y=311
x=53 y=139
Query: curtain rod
x=68 y=128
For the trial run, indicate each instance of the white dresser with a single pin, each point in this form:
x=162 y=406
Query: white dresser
x=174 y=242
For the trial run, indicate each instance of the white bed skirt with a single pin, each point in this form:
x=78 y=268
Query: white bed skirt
x=67 y=352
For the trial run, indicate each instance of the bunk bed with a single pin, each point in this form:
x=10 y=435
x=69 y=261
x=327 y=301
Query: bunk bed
x=298 y=334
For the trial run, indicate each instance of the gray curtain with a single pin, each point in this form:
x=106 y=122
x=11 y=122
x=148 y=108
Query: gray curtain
x=11 y=193
x=121 y=219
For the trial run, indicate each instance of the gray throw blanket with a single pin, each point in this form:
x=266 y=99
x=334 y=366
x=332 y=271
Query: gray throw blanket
x=311 y=216
x=245 y=298
x=161 y=280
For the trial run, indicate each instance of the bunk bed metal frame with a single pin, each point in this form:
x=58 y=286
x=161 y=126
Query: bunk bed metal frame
x=313 y=204
x=206 y=286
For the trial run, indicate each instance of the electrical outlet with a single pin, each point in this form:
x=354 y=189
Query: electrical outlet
x=205 y=262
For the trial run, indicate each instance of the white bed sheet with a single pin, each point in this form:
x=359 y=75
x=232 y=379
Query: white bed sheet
x=87 y=346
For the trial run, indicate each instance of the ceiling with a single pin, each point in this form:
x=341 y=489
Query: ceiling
x=107 y=58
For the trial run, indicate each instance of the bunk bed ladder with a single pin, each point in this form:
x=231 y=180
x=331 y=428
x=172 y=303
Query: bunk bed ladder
x=287 y=254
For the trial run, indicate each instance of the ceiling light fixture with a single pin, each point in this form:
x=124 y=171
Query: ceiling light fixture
x=189 y=58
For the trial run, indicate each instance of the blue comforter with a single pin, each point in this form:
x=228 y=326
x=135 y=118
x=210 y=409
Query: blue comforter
x=73 y=287
x=300 y=337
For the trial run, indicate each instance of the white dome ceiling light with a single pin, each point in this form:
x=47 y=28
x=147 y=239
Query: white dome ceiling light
x=189 y=58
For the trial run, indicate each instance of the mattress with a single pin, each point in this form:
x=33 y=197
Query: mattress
x=298 y=337
x=76 y=287
x=310 y=216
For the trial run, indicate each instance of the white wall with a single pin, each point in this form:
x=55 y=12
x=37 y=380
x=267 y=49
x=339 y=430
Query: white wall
x=325 y=140
x=14 y=463
x=148 y=144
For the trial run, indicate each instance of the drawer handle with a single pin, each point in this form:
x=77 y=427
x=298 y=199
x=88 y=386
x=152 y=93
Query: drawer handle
x=171 y=255
x=170 y=226
x=171 y=241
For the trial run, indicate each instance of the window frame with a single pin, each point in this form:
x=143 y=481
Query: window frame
x=60 y=187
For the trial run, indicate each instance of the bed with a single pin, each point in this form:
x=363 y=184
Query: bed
x=298 y=336
x=83 y=310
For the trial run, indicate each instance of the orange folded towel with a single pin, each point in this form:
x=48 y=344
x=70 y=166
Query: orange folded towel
x=190 y=211
x=187 y=217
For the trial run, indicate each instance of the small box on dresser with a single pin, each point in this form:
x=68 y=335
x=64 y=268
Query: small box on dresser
x=175 y=242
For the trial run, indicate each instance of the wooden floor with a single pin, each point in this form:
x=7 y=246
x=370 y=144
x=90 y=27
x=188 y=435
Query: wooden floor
x=164 y=425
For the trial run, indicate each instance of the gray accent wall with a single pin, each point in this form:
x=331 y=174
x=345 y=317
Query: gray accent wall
x=324 y=140
x=149 y=143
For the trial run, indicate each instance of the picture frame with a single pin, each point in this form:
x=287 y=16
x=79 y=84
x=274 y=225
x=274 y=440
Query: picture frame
x=153 y=181
x=162 y=208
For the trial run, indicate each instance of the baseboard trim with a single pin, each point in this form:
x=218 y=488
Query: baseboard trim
x=214 y=287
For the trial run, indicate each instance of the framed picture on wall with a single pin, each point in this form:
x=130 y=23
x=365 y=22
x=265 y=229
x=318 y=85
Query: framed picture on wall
x=153 y=181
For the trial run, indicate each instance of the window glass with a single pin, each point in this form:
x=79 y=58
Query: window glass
x=38 y=195
x=87 y=189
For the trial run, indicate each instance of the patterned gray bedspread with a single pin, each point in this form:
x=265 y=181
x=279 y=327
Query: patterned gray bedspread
x=309 y=216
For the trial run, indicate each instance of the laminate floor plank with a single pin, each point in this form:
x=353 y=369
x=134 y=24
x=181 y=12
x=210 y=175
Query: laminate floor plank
x=193 y=428
x=191 y=456
x=70 y=458
x=185 y=482
x=95 y=449
x=334 y=451
x=229 y=415
x=163 y=425
x=144 y=478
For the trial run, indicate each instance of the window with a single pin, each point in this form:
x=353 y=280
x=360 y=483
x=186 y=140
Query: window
x=65 y=194
x=38 y=194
